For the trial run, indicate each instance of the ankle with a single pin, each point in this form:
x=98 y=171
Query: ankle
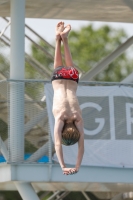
x=65 y=40
x=58 y=37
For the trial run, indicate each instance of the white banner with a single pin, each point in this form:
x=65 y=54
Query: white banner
x=108 y=125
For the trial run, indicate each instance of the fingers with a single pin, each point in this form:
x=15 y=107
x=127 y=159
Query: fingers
x=69 y=171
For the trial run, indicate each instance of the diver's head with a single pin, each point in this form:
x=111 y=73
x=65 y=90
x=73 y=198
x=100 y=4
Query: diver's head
x=70 y=134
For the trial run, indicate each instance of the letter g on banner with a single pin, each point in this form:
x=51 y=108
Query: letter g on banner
x=101 y=121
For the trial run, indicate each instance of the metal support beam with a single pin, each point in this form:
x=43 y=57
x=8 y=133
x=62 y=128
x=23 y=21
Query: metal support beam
x=129 y=3
x=106 y=61
x=85 y=195
x=34 y=63
x=54 y=195
x=62 y=195
x=38 y=66
x=17 y=93
x=118 y=197
x=26 y=191
x=17 y=72
x=38 y=154
x=44 y=195
x=3 y=31
x=128 y=79
x=127 y=195
x=36 y=119
x=3 y=149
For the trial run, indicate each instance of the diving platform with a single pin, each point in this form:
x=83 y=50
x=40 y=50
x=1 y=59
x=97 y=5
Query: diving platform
x=50 y=178
x=93 y=10
x=27 y=121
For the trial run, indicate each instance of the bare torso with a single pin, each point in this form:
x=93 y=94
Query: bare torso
x=65 y=102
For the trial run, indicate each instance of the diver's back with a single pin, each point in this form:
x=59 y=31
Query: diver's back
x=65 y=101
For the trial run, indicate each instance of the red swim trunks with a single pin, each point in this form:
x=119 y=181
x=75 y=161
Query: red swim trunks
x=66 y=73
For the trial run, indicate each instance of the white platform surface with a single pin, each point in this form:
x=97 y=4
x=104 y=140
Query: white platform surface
x=92 y=10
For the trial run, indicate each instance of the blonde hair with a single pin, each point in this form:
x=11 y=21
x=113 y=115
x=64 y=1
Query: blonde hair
x=70 y=134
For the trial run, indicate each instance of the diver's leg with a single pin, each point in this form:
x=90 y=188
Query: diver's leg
x=64 y=37
x=58 y=57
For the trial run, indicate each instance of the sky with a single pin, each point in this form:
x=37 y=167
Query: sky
x=46 y=27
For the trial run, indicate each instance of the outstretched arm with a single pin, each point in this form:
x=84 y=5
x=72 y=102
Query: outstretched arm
x=79 y=125
x=58 y=145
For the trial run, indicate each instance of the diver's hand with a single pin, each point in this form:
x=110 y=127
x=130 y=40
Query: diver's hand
x=69 y=171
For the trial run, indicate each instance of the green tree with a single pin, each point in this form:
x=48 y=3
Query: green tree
x=43 y=58
x=88 y=46
x=4 y=61
x=10 y=195
x=32 y=72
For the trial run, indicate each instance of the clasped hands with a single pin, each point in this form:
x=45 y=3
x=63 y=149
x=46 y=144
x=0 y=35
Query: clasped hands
x=69 y=171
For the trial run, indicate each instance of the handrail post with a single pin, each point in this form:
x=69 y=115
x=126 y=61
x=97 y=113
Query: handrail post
x=17 y=62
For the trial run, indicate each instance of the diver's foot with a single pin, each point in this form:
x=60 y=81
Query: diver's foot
x=65 y=32
x=59 y=29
